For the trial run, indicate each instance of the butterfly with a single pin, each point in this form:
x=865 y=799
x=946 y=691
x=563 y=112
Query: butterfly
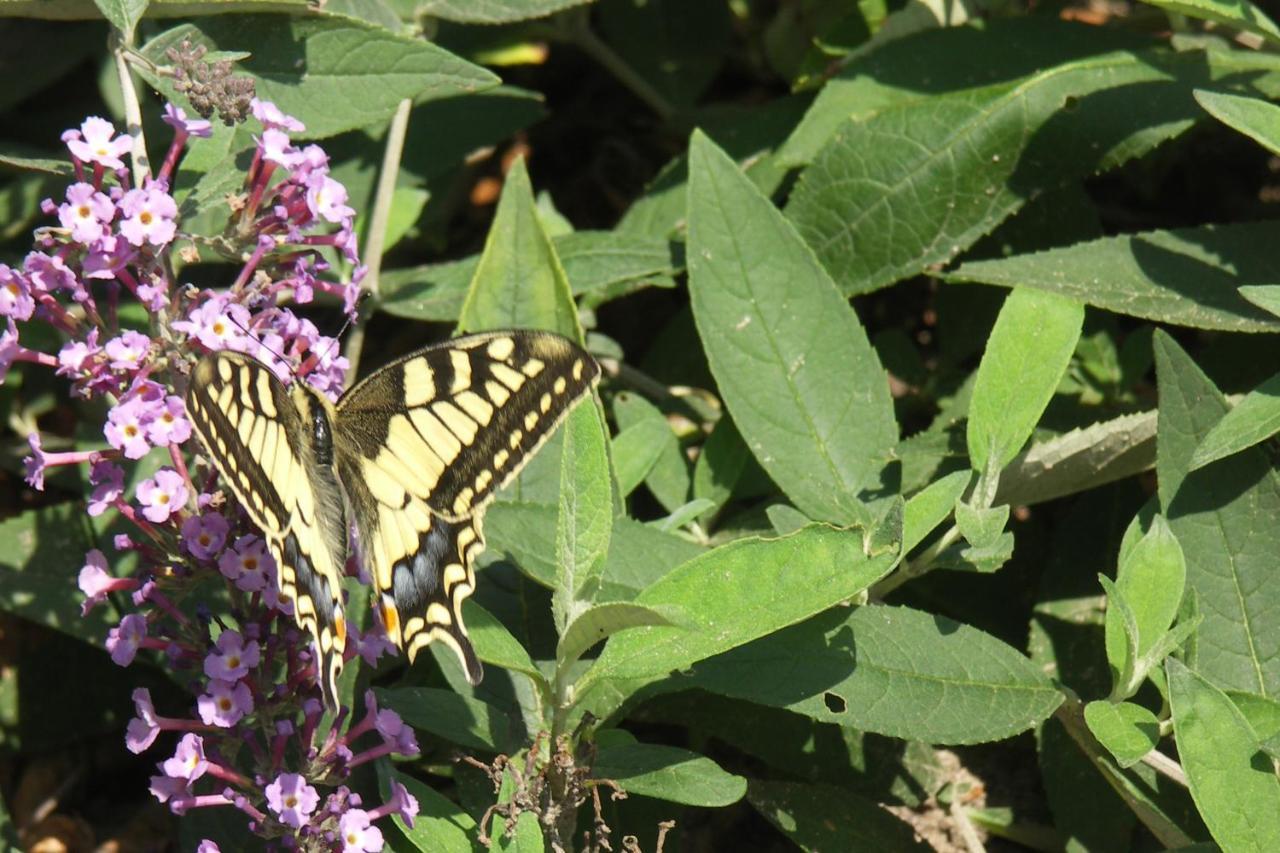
x=411 y=455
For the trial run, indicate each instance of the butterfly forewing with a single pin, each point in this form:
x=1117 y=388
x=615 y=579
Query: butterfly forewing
x=423 y=444
x=269 y=445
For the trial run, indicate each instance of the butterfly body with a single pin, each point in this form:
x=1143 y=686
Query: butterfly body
x=411 y=455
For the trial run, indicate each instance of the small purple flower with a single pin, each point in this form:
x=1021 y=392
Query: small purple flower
x=404 y=803
x=143 y=729
x=99 y=144
x=154 y=294
x=49 y=273
x=394 y=731
x=327 y=199
x=9 y=348
x=292 y=799
x=188 y=761
x=217 y=323
x=15 y=295
x=207 y=846
x=271 y=116
x=108 y=484
x=126 y=428
x=204 y=535
x=276 y=148
x=357 y=834
x=149 y=216
x=247 y=564
x=127 y=351
x=74 y=354
x=166 y=788
x=170 y=424
x=225 y=704
x=107 y=257
x=35 y=463
x=177 y=119
x=86 y=213
x=124 y=640
x=96 y=582
x=232 y=657
x=162 y=495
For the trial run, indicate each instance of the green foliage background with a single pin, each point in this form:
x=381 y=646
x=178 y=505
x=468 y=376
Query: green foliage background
x=938 y=402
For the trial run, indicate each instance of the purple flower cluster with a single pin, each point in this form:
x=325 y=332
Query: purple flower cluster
x=253 y=738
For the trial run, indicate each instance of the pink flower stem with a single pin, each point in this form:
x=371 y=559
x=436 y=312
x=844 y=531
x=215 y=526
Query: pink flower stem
x=226 y=774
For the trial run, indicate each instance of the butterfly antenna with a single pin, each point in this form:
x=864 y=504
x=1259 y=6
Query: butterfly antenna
x=249 y=333
x=338 y=338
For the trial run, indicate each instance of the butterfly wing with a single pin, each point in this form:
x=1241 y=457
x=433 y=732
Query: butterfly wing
x=421 y=448
x=272 y=448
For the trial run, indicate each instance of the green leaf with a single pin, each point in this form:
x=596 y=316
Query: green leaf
x=1122 y=653
x=1237 y=14
x=519 y=282
x=930 y=507
x=494 y=11
x=741 y=591
x=1026 y=357
x=525 y=838
x=1188 y=276
x=638 y=554
x=1128 y=731
x=585 y=518
x=789 y=355
x=333 y=74
x=1080 y=459
x=1151 y=578
x=10 y=156
x=720 y=466
x=41 y=554
x=1234 y=784
x=682 y=515
x=463 y=720
x=1262 y=714
x=668 y=773
x=122 y=14
x=918 y=182
x=952 y=58
x=1223 y=517
x=981 y=527
x=494 y=643
x=599 y=622
x=1253 y=420
x=1254 y=117
x=668 y=477
x=1265 y=296
x=636 y=450
x=891 y=670
x=441 y=826
x=823 y=817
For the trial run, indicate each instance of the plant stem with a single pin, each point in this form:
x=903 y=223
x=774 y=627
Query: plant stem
x=1165 y=766
x=915 y=568
x=375 y=241
x=580 y=34
x=132 y=108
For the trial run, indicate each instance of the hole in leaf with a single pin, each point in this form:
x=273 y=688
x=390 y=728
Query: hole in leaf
x=835 y=702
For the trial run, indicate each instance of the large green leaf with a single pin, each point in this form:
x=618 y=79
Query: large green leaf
x=1026 y=357
x=333 y=74
x=1223 y=517
x=948 y=59
x=463 y=720
x=1254 y=419
x=891 y=670
x=585 y=518
x=1188 y=277
x=1236 y=14
x=744 y=590
x=441 y=826
x=1234 y=783
x=494 y=11
x=519 y=282
x=789 y=355
x=917 y=183
x=668 y=773
x=822 y=817
x=1254 y=117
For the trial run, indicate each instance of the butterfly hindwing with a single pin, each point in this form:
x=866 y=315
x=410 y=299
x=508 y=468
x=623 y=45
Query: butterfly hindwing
x=422 y=446
x=272 y=447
